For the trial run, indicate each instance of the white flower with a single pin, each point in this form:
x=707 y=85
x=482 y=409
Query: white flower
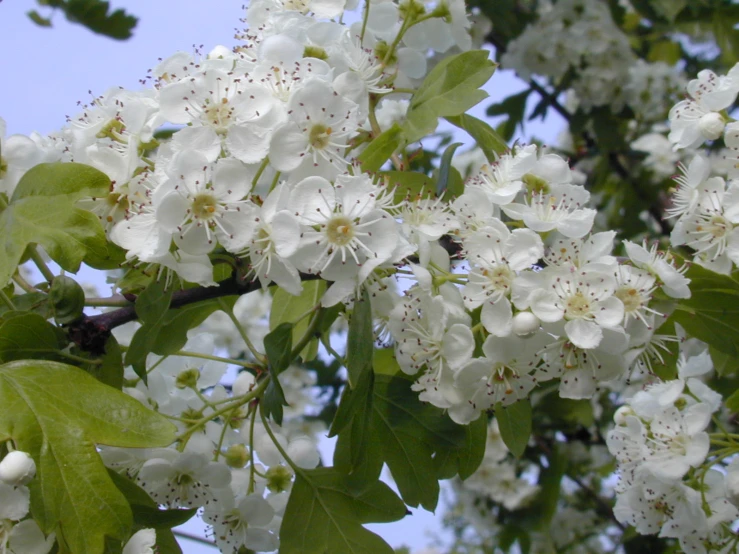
x=205 y=203
x=25 y=537
x=584 y=299
x=674 y=283
x=561 y=209
x=222 y=109
x=345 y=235
x=697 y=119
x=318 y=129
x=190 y=480
x=242 y=524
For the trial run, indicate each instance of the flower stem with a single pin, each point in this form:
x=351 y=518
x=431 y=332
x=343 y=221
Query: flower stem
x=41 y=264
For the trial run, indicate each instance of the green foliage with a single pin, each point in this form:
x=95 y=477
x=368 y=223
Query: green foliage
x=28 y=335
x=514 y=422
x=487 y=138
x=450 y=89
x=151 y=308
x=93 y=14
x=58 y=413
x=278 y=345
x=321 y=517
x=42 y=211
x=711 y=314
x=360 y=343
x=447 y=182
x=515 y=108
x=381 y=148
x=409 y=184
x=287 y=308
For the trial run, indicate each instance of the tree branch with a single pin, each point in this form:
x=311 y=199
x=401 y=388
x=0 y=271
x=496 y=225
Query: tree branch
x=91 y=332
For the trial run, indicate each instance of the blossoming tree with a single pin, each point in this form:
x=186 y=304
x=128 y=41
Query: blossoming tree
x=295 y=251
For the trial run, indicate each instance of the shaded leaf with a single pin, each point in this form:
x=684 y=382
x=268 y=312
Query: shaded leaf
x=514 y=422
x=487 y=138
x=58 y=413
x=381 y=148
x=322 y=517
x=287 y=308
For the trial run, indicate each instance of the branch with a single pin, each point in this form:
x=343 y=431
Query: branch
x=590 y=142
x=90 y=333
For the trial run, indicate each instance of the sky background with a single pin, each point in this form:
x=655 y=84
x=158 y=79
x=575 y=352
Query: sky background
x=45 y=73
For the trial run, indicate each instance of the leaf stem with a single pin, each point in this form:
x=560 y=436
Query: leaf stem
x=240 y=363
x=259 y=173
x=252 y=469
x=238 y=402
x=242 y=332
x=22 y=283
x=277 y=444
x=115 y=301
x=40 y=264
x=7 y=301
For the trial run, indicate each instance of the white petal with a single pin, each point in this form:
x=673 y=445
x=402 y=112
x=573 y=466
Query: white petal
x=584 y=334
x=142 y=542
x=497 y=317
x=249 y=143
x=458 y=345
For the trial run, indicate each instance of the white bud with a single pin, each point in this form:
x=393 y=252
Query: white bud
x=621 y=414
x=17 y=468
x=243 y=383
x=303 y=452
x=711 y=125
x=525 y=323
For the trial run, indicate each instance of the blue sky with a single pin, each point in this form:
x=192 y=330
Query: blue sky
x=46 y=72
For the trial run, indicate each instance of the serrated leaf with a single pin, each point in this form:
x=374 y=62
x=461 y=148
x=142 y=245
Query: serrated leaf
x=29 y=336
x=487 y=138
x=711 y=314
x=514 y=422
x=412 y=431
x=94 y=15
x=287 y=308
x=732 y=403
x=58 y=413
x=724 y=364
x=381 y=148
x=322 y=517
x=451 y=88
x=360 y=342
x=151 y=308
x=278 y=345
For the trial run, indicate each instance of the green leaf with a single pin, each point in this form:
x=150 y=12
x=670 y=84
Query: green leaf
x=36 y=302
x=724 y=364
x=451 y=88
x=711 y=314
x=61 y=181
x=360 y=342
x=514 y=422
x=67 y=299
x=58 y=413
x=151 y=307
x=172 y=333
x=664 y=51
x=381 y=148
x=287 y=308
x=669 y=9
x=471 y=455
x=29 y=336
x=110 y=370
x=94 y=15
x=322 y=517
x=412 y=431
x=42 y=211
x=487 y=138
x=38 y=20
x=545 y=505
x=278 y=345
x=732 y=403
x=444 y=178
x=409 y=184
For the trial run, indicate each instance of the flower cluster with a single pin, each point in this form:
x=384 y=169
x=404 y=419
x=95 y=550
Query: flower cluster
x=706 y=205
x=581 y=34
x=553 y=301
x=660 y=441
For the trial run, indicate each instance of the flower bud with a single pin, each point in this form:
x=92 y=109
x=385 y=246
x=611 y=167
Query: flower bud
x=279 y=478
x=622 y=413
x=17 y=468
x=243 y=383
x=711 y=125
x=236 y=456
x=525 y=324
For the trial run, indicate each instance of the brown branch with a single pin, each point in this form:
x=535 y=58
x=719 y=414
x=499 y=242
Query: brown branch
x=91 y=332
